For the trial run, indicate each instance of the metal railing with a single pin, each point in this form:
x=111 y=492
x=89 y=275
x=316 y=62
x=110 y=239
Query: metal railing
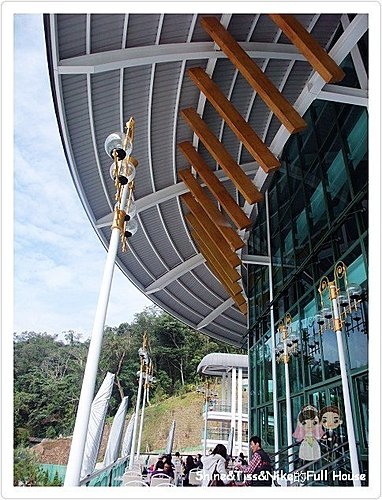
x=319 y=472
x=222 y=435
x=224 y=408
x=108 y=475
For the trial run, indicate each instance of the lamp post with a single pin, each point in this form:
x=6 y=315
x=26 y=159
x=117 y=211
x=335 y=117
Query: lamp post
x=343 y=299
x=285 y=349
x=208 y=395
x=144 y=360
x=149 y=379
x=118 y=146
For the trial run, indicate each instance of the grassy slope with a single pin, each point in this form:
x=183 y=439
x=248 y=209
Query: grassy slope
x=186 y=410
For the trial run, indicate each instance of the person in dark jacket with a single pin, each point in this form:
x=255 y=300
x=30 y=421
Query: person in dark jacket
x=189 y=465
x=259 y=468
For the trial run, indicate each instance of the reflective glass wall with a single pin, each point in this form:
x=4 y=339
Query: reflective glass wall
x=318 y=216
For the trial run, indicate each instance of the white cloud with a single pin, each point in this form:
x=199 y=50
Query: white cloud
x=59 y=260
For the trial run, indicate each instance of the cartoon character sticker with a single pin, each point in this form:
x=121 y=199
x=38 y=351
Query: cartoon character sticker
x=330 y=419
x=308 y=432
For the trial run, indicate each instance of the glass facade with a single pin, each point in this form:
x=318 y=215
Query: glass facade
x=317 y=216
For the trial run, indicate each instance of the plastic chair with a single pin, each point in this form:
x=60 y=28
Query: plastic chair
x=160 y=479
x=131 y=475
x=136 y=482
x=195 y=477
x=165 y=485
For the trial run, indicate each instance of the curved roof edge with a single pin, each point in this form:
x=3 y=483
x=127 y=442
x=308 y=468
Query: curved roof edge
x=218 y=363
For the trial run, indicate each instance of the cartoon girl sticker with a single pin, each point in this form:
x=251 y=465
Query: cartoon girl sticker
x=309 y=432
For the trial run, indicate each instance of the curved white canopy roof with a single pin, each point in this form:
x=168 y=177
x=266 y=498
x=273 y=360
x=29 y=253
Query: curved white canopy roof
x=218 y=363
x=105 y=68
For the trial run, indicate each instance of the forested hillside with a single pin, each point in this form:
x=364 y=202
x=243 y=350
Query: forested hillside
x=48 y=371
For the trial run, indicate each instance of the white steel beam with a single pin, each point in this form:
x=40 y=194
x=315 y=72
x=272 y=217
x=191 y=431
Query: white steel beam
x=215 y=313
x=260 y=260
x=139 y=56
x=175 y=273
x=348 y=95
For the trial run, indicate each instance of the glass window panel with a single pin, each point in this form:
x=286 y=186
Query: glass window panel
x=318 y=399
x=338 y=186
x=294 y=173
x=260 y=372
x=357 y=338
x=317 y=204
x=357 y=271
x=283 y=439
x=362 y=385
x=330 y=354
x=310 y=310
x=270 y=427
x=280 y=371
x=301 y=230
x=268 y=370
x=297 y=404
x=357 y=140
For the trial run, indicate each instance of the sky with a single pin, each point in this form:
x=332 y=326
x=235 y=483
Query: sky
x=58 y=258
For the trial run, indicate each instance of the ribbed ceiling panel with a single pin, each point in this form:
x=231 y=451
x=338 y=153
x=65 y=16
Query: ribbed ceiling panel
x=142 y=29
x=175 y=28
x=71 y=33
x=163 y=111
x=176 y=229
x=106 y=32
x=152 y=223
x=190 y=281
x=240 y=25
x=190 y=299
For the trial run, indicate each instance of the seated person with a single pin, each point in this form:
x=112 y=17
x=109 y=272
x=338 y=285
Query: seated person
x=190 y=464
x=167 y=469
x=198 y=462
x=159 y=468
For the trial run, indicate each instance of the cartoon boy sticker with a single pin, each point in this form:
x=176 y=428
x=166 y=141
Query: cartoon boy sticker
x=330 y=419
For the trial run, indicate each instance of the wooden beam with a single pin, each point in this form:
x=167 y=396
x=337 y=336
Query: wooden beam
x=243 y=131
x=231 y=275
x=243 y=308
x=232 y=238
x=213 y=236
x=233 y=289
x=221 y=156
x=309 y=47
x=237 y=215
x=272 y=97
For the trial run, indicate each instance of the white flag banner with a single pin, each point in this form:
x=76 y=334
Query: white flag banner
x=128 y=438
x=170 y=438
x=115 y=436
x=231 y=442
x=96 y=424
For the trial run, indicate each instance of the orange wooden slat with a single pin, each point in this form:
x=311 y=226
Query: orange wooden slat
x=232 y=238
x=231 y=275
x=243 y=131
x=243 y=308
x=232 y=288
x=272 y=97
x=309 y=47
x=230 y=206
x=211 y=233
x=241 y=300
x=221 y=156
